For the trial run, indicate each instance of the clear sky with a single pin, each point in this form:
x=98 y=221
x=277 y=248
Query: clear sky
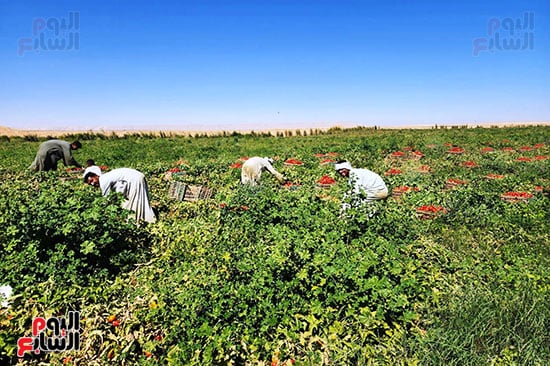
x=201 y=64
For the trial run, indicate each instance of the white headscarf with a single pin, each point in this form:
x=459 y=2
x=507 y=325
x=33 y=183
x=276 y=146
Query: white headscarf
x=93 y=169
x=343 y=165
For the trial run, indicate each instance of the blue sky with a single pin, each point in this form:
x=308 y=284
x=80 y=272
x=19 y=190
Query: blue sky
x=266 y=64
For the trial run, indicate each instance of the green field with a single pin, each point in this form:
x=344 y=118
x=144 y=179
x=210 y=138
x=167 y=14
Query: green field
x=271 y=275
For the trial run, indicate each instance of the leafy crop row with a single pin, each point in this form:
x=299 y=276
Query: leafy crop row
x=272 y=274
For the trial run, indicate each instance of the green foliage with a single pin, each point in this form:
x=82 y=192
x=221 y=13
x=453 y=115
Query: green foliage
x=491 y=325
x=269 y=274
x=63 y=230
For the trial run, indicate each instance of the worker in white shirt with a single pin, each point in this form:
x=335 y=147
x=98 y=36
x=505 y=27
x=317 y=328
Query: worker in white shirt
x=366 y=186
x=253 y=167
x=132 y=184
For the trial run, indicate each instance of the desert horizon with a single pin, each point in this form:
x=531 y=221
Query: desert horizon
x=15 y=132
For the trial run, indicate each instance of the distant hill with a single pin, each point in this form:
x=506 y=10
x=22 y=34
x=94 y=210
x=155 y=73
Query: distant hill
x=6 y=131
x=12 y=132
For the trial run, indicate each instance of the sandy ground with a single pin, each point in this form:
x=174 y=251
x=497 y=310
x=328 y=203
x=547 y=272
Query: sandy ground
x=11 y=132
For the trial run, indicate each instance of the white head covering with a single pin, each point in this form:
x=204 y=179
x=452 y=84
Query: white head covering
x=93 y=169
x=343 y=165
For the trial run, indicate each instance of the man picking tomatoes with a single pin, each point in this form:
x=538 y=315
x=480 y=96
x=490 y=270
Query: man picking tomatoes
x=131 y=183
x=253 y=167
x=51 y=151
x=366 y=186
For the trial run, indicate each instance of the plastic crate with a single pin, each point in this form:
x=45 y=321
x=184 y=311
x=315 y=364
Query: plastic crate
x=184 y=192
